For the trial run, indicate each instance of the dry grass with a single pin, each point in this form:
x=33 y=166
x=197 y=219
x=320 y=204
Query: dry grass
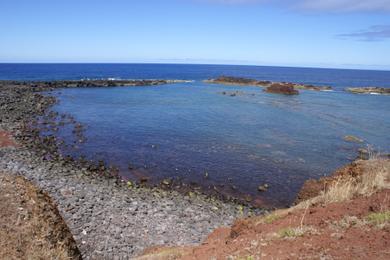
x=294 y=232
x=376 y=177
x=31 y=227
x=165 y=254
x=377 y=219
x=347 y=222
x=39 y=247
x=269 y=218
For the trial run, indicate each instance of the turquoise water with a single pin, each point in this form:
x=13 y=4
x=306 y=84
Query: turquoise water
x=184 y=130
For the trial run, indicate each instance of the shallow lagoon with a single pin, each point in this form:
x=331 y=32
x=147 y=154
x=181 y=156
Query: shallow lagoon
x=232 y=144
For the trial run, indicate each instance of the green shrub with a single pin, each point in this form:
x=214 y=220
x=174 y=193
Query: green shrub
x=379 y=218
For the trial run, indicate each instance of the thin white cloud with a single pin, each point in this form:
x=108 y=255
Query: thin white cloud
x=374 y=33
x=320 y=5
x=345 y=5
x=236 y=2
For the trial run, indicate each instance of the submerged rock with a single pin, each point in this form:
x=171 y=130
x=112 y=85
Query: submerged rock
x=263 y=188
x=312 y=87
x=233 y=81
x=353 y=139
x=166 y=182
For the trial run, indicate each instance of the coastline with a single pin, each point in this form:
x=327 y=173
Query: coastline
x=106 y=216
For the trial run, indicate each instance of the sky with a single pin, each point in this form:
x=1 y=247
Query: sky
x=303 y=33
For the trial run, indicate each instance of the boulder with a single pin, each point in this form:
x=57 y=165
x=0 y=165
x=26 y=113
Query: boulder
x=279 y=88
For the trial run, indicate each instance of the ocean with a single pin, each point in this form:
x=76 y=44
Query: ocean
x=338 y=78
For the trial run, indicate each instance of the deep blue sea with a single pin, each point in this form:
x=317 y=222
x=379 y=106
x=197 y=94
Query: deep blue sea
x=230 y=144
x=338 y=78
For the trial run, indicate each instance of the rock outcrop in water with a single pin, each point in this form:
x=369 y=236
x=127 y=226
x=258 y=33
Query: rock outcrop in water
x=264 y=83
x=353 y=139
x=227 y=80
x=369 y=90
x=285 y=89
x=88 y=83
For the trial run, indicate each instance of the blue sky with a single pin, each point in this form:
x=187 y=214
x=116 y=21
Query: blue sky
x=316 y=33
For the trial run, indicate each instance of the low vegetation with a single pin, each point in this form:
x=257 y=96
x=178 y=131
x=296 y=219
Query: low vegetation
x=378 y=219
x=270 y=218
x=374 y=176
x=294 y=232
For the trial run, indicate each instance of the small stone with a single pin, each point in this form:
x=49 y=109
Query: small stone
x=248 y=198
x=167 y=182
x=191 y=194
x=144 y=179
x=263 y=188
x=363 y=154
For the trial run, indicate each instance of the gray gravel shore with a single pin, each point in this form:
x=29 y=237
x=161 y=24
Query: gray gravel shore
x=107 y=218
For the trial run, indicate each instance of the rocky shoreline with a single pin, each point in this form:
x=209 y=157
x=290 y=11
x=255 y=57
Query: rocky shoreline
x=87 y=83
x=290 y=87
x=106 y=216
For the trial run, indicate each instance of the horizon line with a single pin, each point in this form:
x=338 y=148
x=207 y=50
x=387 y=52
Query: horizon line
x=195 y=63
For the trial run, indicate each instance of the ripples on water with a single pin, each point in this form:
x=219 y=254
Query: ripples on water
x=192 y=132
